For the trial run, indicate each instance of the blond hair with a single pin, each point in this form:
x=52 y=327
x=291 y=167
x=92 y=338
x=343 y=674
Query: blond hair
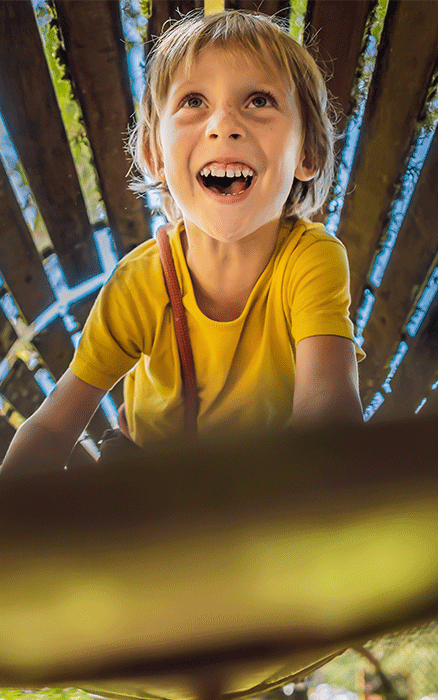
x=247 y=31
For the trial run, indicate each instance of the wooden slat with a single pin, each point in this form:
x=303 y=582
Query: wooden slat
x=408 y=266
x=8 y=335
x=30 y=109
x=20 y=264
x=97 y=62
x=16 y=388
x=268 y=7
x=165 y=9
x=405 y=63
x=23 y=272
x=337 y=52
x=98 y=424
x=430 y=408
x=7 y=432
x=55 y=347
x=116 y=393
x=415 y=375
x=183 y=7
x=162 y=12
x=79 y=457
x=81 y=309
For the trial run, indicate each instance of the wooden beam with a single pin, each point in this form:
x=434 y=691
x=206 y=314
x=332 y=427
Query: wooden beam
x=334 y=35
x=163 y=11
x=7 y=432
x=408 y=266
x=8 y=335
x=414 y=377
x=24 y=274
x=405 y=64
x=268 y=7
x=116 y=393
x=55 y=347
x=31 y=113
x=16 y=389
x=21 y=266
x=81 y=309
x=78 y=458
x=98 y=65
x=97 y=425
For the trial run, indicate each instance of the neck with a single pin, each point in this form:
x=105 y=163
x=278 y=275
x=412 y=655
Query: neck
x=224 y=274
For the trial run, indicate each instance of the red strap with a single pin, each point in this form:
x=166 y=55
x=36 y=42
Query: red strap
x=181 y=331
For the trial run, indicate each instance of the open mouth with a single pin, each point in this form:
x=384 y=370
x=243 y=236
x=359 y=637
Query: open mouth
x=226 y=185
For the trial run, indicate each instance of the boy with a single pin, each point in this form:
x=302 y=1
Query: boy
x=234 y=129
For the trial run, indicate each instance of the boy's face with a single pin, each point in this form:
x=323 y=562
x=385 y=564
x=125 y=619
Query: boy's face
x=220 y=112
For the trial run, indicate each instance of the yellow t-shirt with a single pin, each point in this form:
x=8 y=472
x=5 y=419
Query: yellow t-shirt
x=245 y=368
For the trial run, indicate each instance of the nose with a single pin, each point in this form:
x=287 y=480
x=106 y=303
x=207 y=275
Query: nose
x=224 y=123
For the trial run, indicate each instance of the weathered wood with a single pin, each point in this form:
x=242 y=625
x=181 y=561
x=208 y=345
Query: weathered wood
x=162 y=12
x=408 y=266
x=414 y=377
x=7 y=432
x=21 y=390
x=8 y=335
x=268 y=7
x=183 y=7
x=55 y=347
x=21 y=266
x=430 y=408
x=81 y=309
x=30 y=110
x=116 y=393
x=95 y=48
x=98 y=424
x=98 y=65
x=334 y=36
x=405 y=63
x=79 y=457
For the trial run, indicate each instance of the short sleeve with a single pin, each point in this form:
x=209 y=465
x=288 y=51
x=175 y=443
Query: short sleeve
x=319 y=291
x=113 y=337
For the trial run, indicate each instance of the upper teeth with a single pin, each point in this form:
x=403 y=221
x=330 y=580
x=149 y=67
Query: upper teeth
x=229 y=172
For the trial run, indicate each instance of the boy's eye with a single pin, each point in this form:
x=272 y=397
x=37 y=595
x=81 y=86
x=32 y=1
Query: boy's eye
x=190 y=98
x=264 y=96
x=263 y=100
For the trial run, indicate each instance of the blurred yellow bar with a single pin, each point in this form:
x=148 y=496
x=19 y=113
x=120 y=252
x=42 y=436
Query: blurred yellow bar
x=212 y=6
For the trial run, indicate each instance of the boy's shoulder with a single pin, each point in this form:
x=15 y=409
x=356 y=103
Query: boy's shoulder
x=305 y=243
x=147 y=253
x=309 y=237
x=141 y=253
x=304 y=232
x=138 y=271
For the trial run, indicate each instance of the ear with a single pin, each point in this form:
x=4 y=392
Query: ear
x=148 y=157
x=305 y=169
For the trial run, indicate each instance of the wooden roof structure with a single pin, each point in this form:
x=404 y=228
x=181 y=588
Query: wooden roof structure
x=396 y=314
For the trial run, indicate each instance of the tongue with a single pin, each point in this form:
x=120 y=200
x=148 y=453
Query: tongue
x=236 y=186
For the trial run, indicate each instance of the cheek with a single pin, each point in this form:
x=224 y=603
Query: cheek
x=175 y=140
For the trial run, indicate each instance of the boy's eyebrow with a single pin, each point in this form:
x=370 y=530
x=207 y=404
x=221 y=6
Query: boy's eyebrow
x=252 y=87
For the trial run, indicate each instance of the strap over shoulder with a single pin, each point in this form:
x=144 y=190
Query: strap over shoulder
x=181 y=330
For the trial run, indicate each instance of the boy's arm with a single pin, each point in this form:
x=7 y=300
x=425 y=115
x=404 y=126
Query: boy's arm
x=326 y=381
x=46 y=439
